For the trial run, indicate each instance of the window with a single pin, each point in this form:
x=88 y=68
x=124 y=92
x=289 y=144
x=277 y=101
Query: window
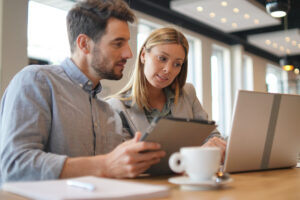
x=247 y=71
x=47 y=33
x=144 y=29
x=191 y=62
x=298 y=86
x=194 y=74
x=276 y=79
x=220 y=78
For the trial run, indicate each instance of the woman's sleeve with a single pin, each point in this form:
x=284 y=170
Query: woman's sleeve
x=198 y=111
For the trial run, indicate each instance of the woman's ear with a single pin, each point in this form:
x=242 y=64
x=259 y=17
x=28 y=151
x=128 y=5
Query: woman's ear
x=83 y=43
x=142 y=57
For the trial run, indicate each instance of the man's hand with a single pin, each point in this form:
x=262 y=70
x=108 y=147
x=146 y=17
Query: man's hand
x=217 y=142
x=126 y=160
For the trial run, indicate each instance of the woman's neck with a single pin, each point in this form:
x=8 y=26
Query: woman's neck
x=157 y=98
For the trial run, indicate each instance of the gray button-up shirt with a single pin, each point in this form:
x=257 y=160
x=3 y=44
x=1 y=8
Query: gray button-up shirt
x=49 y=113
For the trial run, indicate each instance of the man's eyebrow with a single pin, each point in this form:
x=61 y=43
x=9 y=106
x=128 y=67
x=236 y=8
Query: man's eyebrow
x=119 y=39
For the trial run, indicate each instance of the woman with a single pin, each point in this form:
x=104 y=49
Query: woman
x=158 y=86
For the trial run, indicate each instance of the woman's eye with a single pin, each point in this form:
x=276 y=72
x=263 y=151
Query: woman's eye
x=178 y=64
x=162 y=58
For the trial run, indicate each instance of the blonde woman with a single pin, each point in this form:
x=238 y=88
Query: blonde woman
x=158 y=86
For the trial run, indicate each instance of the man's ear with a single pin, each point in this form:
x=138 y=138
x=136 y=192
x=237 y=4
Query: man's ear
x=142 y=57
x=83 y=43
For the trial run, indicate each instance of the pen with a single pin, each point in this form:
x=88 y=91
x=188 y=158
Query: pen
x=150 y=128
x=80 y=184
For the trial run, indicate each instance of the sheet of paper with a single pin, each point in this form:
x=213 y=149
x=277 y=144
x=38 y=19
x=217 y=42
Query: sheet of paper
x=104 y=189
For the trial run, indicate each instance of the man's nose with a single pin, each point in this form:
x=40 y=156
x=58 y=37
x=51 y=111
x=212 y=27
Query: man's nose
x=127 y=52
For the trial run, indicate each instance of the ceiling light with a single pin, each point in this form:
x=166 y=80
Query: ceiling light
x=223 y=20
x=275 y=45
x=296 y=71
x=288 y=67
x=288 y=51
x=199 y=9
x=299 y=46
x=246 y=16
x=281 y=48
x=294 y=43
x=256 y=21
x=268 y=42
x=236 y=10
x=284 y=63
x=234 y=25
x=287 y=39
x=224 y=3
x=212 y=14
x=277 y=8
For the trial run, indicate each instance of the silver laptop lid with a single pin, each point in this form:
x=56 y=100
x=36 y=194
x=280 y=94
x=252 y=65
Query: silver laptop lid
x=265 y=132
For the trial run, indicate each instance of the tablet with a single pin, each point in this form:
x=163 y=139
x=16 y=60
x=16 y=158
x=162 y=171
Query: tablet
x=174 y=133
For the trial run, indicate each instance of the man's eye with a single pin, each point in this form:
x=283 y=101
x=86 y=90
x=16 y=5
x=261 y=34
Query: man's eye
x=118 y=44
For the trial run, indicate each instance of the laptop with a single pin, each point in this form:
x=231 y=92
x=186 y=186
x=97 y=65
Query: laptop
x=265 y=132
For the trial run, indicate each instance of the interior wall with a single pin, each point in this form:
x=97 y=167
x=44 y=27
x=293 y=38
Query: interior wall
x=13 y=39
x=259 y=72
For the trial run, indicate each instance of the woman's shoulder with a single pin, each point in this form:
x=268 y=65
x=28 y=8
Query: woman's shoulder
x=189 y=89
x=113 y=100
x=119 y=103
x=115 y=103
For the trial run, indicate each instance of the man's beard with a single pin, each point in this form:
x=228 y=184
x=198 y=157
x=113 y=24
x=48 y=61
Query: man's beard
x=102 y=68
x=106 y=73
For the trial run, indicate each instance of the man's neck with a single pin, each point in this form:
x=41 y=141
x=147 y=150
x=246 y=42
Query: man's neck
x=82 y=64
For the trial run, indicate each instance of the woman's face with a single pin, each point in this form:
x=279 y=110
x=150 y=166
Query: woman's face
x=162 y=64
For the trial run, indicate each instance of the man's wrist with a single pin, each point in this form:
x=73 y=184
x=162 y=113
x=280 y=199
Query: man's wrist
x=100 y=164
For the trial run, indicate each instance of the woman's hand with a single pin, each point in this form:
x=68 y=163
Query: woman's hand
x=217 y=142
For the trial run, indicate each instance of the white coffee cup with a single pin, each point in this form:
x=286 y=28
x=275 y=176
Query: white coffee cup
x=199 y=163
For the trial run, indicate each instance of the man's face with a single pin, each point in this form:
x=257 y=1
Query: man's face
x=110 y=53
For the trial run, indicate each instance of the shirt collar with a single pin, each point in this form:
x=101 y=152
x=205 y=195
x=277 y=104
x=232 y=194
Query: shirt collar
x=79 y=78
x=166 y=111
x=169 y=94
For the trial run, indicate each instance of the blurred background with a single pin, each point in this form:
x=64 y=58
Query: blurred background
x=234 y=44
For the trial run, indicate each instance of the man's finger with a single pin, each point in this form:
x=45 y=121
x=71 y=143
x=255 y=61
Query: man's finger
x=148 y=156
x=137 y=136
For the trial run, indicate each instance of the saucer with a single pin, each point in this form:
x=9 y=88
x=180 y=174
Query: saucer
x=188 y=184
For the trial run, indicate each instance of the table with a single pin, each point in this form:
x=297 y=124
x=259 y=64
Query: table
x=272 y=184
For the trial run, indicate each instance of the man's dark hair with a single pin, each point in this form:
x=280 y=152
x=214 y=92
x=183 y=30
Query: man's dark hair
x=90 y=17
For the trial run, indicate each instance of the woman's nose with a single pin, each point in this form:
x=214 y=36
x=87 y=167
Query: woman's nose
x=167 y=67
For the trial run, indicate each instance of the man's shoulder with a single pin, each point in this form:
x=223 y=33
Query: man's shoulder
x=39 y=72
x=42 y=69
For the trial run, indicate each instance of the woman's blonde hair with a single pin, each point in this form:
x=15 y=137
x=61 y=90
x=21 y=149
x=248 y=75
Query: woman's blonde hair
x=138 y=82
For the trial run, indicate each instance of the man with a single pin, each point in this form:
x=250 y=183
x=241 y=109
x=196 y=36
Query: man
x=53 y=126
